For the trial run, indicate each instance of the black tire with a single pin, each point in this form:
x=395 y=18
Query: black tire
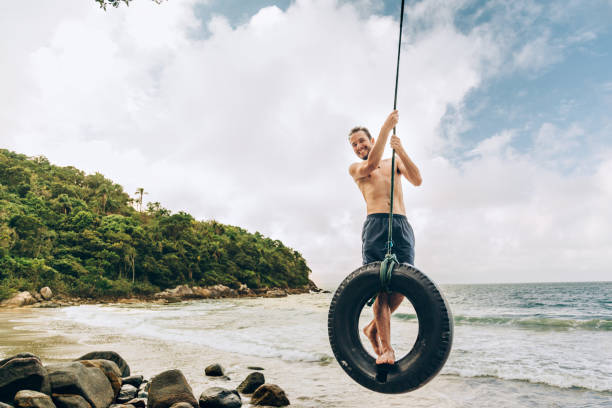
x=431 y=348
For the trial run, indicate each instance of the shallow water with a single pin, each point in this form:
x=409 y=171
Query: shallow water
x=536 y=345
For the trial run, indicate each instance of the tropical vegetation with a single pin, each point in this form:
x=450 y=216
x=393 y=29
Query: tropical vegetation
x=83 y=235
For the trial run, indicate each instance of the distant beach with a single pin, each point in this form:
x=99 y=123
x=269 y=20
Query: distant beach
x=531 y=345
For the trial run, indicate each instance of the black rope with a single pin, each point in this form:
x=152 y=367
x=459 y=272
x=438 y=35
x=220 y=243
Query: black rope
x=388 y=264
x=399 y=48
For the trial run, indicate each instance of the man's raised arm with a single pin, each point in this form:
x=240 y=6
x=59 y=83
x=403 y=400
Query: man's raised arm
x=405 y=165
x=360 y=170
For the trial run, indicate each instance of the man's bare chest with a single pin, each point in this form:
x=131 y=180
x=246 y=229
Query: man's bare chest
x=378 y=178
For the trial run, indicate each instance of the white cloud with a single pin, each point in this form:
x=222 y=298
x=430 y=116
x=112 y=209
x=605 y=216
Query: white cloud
x=494 y=144
x=248 y=126
x=550 y=140
x=538 y=54
x=506 y=217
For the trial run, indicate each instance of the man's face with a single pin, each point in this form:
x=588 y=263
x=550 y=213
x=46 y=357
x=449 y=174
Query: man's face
x=361 y=144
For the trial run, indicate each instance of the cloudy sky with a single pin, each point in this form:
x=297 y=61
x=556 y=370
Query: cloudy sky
x=239 y=111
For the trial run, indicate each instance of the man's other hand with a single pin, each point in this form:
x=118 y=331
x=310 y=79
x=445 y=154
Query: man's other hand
x=396 y=143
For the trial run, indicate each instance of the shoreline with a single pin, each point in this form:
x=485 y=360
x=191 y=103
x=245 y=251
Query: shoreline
x=180 y=293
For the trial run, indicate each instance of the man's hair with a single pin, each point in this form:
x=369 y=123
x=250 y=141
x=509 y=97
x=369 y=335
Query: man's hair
x=357 y=129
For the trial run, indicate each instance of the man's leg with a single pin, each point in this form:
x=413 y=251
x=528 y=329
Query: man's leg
x=382 y=317
x=404 y=250
x=371 y=331
x=372 y=334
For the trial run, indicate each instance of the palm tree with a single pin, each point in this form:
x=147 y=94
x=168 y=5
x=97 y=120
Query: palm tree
x=140 y=191
x=104 y=191
x=129 y=258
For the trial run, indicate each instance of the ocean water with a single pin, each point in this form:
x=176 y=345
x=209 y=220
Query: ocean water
x=515 y=345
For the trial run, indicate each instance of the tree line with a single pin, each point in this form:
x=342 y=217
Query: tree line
x=80 y=234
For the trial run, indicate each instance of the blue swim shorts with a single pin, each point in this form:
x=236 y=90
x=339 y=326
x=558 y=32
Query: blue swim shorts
x=374 y=238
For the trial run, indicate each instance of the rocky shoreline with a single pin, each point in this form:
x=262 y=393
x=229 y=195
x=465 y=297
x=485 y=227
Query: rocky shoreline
x=102 y=379
x=46 y=299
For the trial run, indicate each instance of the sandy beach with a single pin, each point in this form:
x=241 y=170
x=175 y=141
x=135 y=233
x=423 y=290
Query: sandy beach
x=212 y=331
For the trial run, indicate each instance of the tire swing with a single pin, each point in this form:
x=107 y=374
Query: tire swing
x=435 y=335
x=434 y=339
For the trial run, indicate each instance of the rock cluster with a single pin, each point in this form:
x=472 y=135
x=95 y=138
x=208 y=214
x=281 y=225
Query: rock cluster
x=44 y=297
x=182 y=292
x=25 y=298
x=101 y=379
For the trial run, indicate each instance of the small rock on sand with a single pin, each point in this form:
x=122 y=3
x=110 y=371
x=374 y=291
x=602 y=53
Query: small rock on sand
x=269 y=394
x=214 y=370
x=251 y=383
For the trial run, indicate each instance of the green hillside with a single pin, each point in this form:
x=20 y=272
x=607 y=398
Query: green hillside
x=80 y=235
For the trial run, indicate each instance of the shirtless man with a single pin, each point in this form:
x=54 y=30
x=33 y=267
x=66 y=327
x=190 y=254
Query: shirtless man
x=373 y=177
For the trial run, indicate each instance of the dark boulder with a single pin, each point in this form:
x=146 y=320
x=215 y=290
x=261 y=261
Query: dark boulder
x=251 y=383
x=256 y=368
x=127 y=393
x=108 y=355
x=214 y=370
x=110 y=370
x=143 y=389
x=20 y=355
x=135 y=380
x=22 y=372
x=70 y=401
x=269 y=394
x=217 y=397
x=88 y=382
x=168 y=388
x=33 y=399
x=138 y=402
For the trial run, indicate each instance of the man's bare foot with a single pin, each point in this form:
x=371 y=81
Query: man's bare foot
x=372 y=334
x=387 y=357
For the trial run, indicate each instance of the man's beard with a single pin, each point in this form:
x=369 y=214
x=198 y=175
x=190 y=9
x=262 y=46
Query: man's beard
x=366 y=156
